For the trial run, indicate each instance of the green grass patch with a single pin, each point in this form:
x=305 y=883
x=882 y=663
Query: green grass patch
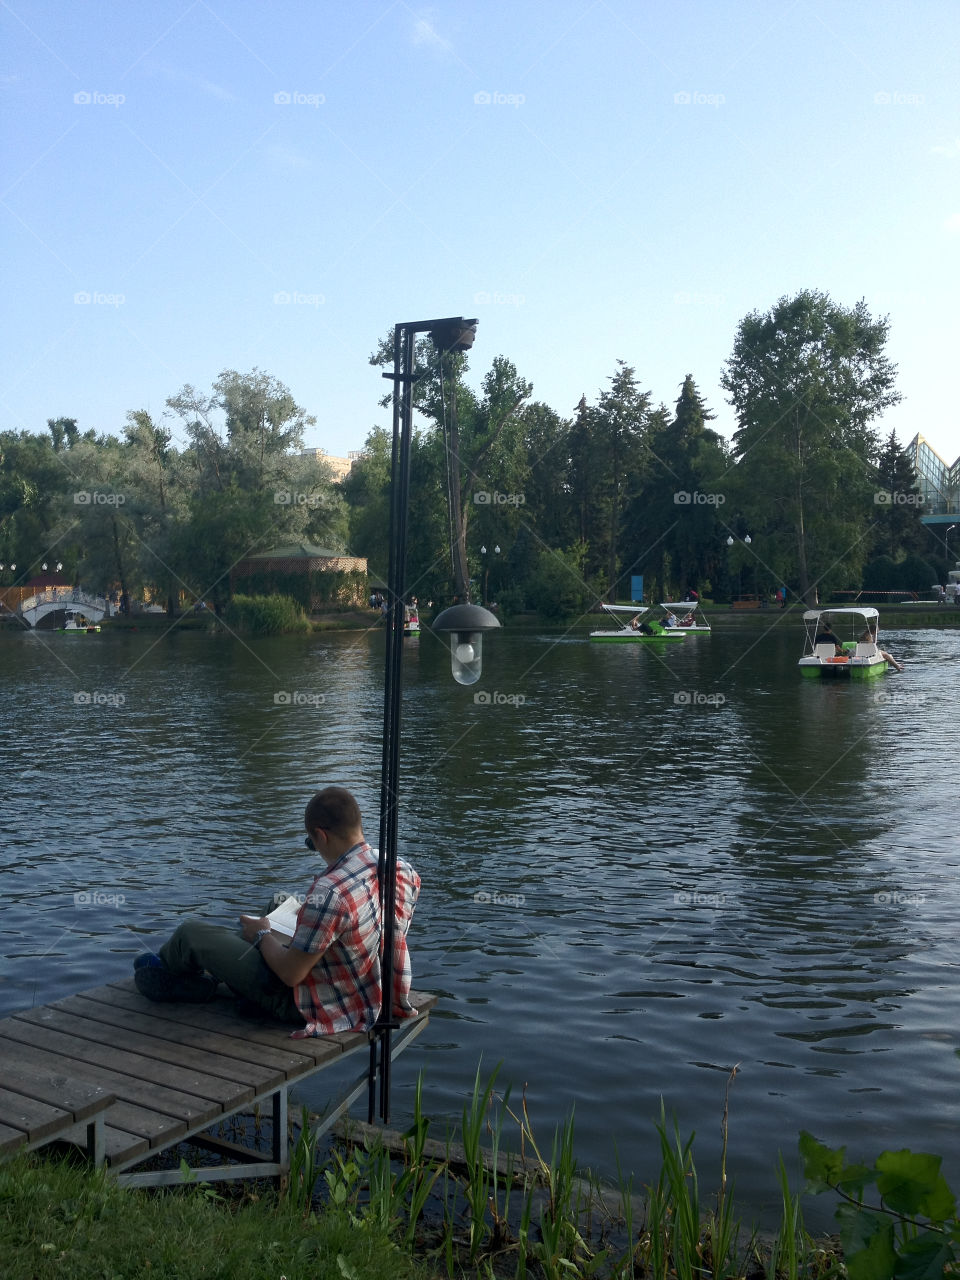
x=61 y=1222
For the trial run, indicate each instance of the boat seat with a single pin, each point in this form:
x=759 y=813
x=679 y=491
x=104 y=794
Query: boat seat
x=824 y=651
x=866 y=649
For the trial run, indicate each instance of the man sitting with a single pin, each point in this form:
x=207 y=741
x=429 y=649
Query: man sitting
x=327 y=978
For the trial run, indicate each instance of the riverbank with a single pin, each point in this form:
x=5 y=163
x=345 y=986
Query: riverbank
x=915 y=615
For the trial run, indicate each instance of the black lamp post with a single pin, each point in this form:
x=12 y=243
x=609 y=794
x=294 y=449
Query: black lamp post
x=452 y=333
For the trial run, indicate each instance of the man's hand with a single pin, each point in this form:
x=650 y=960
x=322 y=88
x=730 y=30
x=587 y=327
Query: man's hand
x=250 y=926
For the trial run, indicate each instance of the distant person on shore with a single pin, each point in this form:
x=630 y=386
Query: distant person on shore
x=327 y=977
x=869 y=636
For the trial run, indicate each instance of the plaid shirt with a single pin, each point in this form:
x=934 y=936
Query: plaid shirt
x=340 y=922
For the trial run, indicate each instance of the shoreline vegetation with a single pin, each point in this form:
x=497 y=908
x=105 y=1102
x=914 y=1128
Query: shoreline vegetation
x=278 y=615
x=497 y=1204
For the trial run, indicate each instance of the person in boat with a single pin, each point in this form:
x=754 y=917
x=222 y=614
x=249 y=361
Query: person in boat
x=826 y=635
x=670 y=620
x=635 y=623
x=869 y=636
x=327 y=977
x=686 y=620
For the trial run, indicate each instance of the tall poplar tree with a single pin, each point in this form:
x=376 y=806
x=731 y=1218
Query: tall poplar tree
x=807 y=379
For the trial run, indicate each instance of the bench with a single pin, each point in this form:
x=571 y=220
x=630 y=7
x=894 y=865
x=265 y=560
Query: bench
x=148 y=1076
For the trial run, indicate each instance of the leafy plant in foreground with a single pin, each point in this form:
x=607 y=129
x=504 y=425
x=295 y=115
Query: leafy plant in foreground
x=912 y=1234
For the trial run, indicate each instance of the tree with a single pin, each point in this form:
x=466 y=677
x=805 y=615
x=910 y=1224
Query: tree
x=806 y=380
x=675 y=521
x=247 y=487
x=479 y=438
x=898 y=502
x=606 y=466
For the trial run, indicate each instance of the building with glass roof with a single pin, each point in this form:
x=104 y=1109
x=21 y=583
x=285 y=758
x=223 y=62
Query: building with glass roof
x=939 y=482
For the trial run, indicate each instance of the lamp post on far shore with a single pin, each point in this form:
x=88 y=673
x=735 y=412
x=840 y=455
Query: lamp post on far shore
x=746 y=540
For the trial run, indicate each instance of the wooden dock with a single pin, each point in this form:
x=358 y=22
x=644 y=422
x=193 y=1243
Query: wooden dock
x=127 y=1078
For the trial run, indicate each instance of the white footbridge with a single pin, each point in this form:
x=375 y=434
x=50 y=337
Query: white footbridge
x=64 y=600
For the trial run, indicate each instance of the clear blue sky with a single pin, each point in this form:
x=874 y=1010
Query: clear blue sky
x=585 y=212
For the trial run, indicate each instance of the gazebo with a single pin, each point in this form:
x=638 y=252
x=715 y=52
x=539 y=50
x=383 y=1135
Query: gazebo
x=315 y=576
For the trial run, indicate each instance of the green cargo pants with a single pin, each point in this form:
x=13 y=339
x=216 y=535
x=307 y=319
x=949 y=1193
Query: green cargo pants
x=196 y=946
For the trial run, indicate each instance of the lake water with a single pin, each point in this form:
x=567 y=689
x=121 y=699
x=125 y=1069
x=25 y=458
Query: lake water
x=641 y=865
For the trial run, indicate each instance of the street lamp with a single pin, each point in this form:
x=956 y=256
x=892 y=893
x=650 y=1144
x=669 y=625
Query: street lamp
x=465 y=624
x=747 y=540
x=486 y=572
x=452 y=333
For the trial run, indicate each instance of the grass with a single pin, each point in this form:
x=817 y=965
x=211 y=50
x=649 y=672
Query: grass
x=61 y=1222
x=431 y=1211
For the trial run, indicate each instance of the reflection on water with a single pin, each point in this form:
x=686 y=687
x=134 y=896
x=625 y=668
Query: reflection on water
x=640 y=867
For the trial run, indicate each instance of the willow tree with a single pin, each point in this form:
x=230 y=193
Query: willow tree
x=806 y=380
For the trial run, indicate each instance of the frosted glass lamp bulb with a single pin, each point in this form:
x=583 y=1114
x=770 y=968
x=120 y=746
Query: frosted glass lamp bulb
x=465 y=652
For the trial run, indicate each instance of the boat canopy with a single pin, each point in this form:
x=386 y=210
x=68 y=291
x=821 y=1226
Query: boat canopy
x=635 y=609
x=812 y=614
x=683 y=606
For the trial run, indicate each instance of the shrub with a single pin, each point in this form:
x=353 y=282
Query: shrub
x=266 y=615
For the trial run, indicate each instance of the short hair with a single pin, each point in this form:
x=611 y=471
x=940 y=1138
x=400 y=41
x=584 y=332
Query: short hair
x=333 y=809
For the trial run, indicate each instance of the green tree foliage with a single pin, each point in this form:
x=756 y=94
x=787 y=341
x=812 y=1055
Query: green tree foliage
x=470 y=455
x=897 y=528
x=807 y=379
x=606 y=470
x=676 y=522
x=34 y=480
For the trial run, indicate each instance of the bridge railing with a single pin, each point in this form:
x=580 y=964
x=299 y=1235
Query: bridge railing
x=65 y=596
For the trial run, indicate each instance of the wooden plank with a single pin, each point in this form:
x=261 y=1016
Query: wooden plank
x=81 y=1099
x=137 y=1040
x=10 y=1139
x=30 y=1028
x=36 y=1120
x=218 y=1016
x=176 y=1032
x=33 y=1045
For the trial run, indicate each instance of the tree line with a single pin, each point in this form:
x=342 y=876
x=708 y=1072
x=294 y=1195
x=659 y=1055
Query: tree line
x=510 y=500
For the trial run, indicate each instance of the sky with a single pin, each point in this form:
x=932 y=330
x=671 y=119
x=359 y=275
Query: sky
x=192 y=187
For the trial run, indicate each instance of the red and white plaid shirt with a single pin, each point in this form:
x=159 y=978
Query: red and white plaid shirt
x=340 y=922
